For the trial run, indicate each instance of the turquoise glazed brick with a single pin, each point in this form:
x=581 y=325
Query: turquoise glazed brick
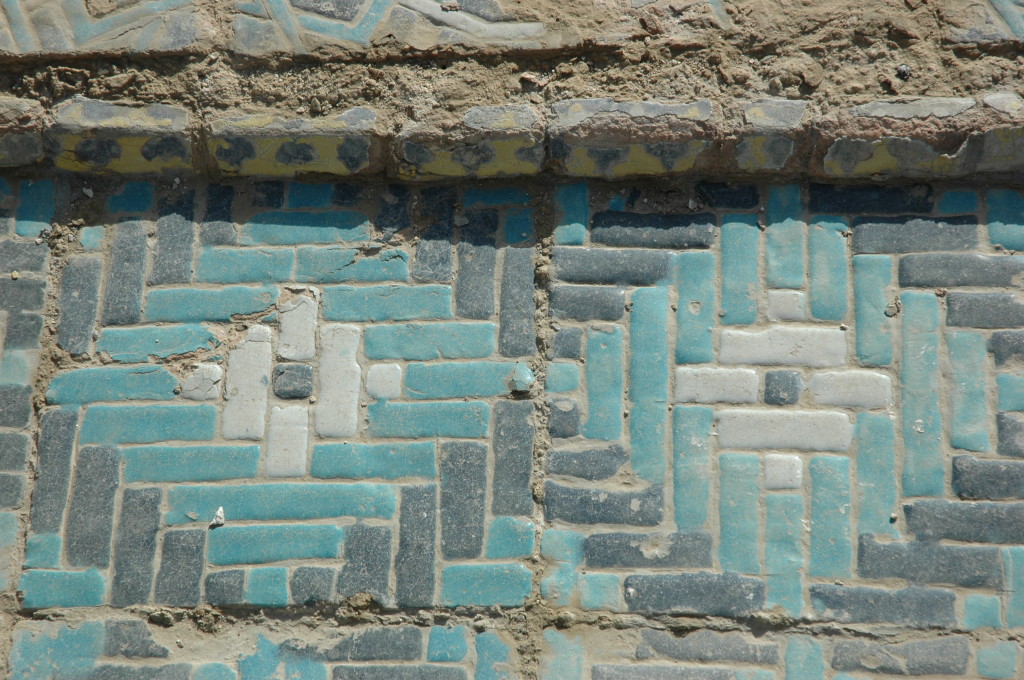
x=982 y=611
x=387 y=303
x=831 y=511
x=691 y=436
x=923 y=466
x=339 y=265
x=459 y=420
x=280 y=501
x=491 y=197
x=998 y=660
x=738 y=512
x=804 y=659
x=276 y=543
x=44 y=551
x=132 y=345
x=485 y=585
x=783 y=553
x=111 y=383
x=92 y=238
x=601 y=591
x=648 y=382
x=454 y=380
x=267 y=587
x=8 y=529
x=303 y=195
x=572 y=206
x=42 y=650
x=273 y=661
x=562 y=658
x=604 y=383
x=386 y=460
x=425 y=341
x=565 y=549
x=562 y=377
x=244 y=265
x=297 y=228
x=786 y=238
x=36 y=206
x=1013 y=568
x=958 y=203
x=518 y=226
x=134 y=197
x=201 y=304
x=41 y=589
x=189 y=463
x=557 y=587
x=876 y=473
x=968 y=356
x=447 y=644
x=510 y=537
x=492 y=658
x=1005 y=218
x=1011 y=392
x=740 y=236
x=828 y=260
x=214 y=671
x=16 y=367
x=147 y=424
x=872 y=274
x=695 y=315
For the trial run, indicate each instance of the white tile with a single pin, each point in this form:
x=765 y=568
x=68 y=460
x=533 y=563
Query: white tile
x=287 y=442
x=245 y=407
x=782 y=471
x=384 y=381
x=204 y=383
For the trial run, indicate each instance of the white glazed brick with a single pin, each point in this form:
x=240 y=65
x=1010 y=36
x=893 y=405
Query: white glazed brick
x=716 y=385
x=337 y=409
x=384 y=381
x=784 y=429
x=287 y=441
x=855 y=389
x=787 y=305
x=782 y=471
x=298 y=328
x=784 y=346
x=203 y=384
x=245 y=406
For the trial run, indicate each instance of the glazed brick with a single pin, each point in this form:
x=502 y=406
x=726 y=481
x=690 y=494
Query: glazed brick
x=243 y=265
x=181 y=568
x=591 y=463
x=1005 y=207
x=649 y=380
x=639 y=672
x=15 y=405
x=604 y=375
x=701 y=593
x=516 y=335
x=461 y=379
x=122 y=297
x=871 y=276
x=393 y=214
x=636 y=230
x=293 y=381
x=145 y=424
x=201 y=304
x=804 y=430
x=968 y=522
x=636 y=551
x=587 y=303
x=944 y=656
x=1006 y=346
x=309 y=585
x=133 y=197
x=135 y=547
x=230 y=545
x=923 y=468
x=716 y=385
x=783 y=552
x=931 y=270
x=367 y=562
x=36 y=206
x=984 y=310
x=23 y=257
x=1010 y=434
x=909 y=234
x=13 y=451
x=633 y=267
x=784 y=346
x=513 y=458
x=477 y=260
x=398 y=643
x=226 y=587
x=430 y=341
x=976 y=479
x=922 y=562
x=463 y=468
x=177 y=671
x=915 y=607
x=468 y=419
x=189 y=463
x=782 y=388
x=831 y=550
x=485 y=585
x=131 y=639
x=23 y=331
x=111 y=383
x=568 y=344
x=572 y=213
x=12 y=490
x=706 y=646
x=172 y=258
x=338 y=265
x=738 y=512
x=563 y=418
x=695 y=314
x=433 y=260
x=21 y=294
x=601 y=506
x=729 y=196
x=386 y=303
x=91 y=510
x=786 y=238
x=296 y=228
x=889 y=200
x=403 y=672
x=447 y=644
x=53 y=477
x=45 y=588
x=267 y=587
x=414 y=561
x=969 y=389
x=388 y=461
x=740 y=237
x=137 y=344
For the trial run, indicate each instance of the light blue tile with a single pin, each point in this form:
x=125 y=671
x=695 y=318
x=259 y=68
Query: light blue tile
x=738 y=512
x=17 y=367
x=303 y=195
x=695 y=315
x=40 y=648
x=41 y=589
x=998 y=660
x=876 y=473
x=518 y=225
x=804 y=659
x=214 y=671
x=829 y=266
x=132 y=345
x=492 y=658
x=36 y=205
x=424 y=341
x=386 y=303
x=189 y=463
x=485 y=585
x=872 y=274
x=1013 y=568
x=982 y=611
x=601 y=591
x=267 y=587
x=244 y=265
x=831 y=511
x=572 y=214
x=334 y=264
x=455 y=380
x=565 y=549
x=691 y=436
x=147 y=424
x=207 y=304
x=1006 y=218
x=562 y=658
x=923 y=465
x=275 y=543
x=447 y=644
x=958 y=202
x=1011 y=392
x=9 y=529
x=648 y=383
x=510 y=537
x=296 y=228
x=385 y=460
x=604 y=383
x=111 y=383
x=92 y=238
x=783 y=553
x=562 y=377
x=968 y=357
x=740 y=286
x=459 y=420
x=786 y=237
x=134 y=197
x=44 y=551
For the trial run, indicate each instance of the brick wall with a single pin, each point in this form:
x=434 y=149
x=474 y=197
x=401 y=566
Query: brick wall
x=502 y=430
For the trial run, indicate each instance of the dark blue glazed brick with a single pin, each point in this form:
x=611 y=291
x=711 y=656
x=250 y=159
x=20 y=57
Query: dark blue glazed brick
x=310 y=585
x=984 y=310
x=568 y=343
x=463 y=487
x=13 y=451
x=18 y=295
x=393 y=214
x=135 y=547
x=1010 y=432
x=563 y=418
x=924 y=562
x=12 y=489
x=181 y=567
x=22 y=257
x=729 y=196
x=782 y=388
x=414 y=561
x=655 y=551
x=347 y=195
x=916 y=607
x=512 y=444
x=177 y=671
x=627 y=267
x=91 y=511
x=588 y=303
x=268 y=194
x=694 y=593
x=1006 y=346
x=591 y=463
x=516 y=336
x=23 y=330
x=15 y=405
x=57 y=433
x=367 y=562
x=474 y=287
x=887 y=200
x=706 y=645
x=122 y=298
x=601 y=506
x=132 y=638
x=219 y=201
x=637 y=230
x=398 y=643
x=79 y=300
x=227 y=587
x=975 y=479
x=942 y=656
x=932 y=270
x=172 y=259
x=293 y=381
x=968 y=522
x=909 y=234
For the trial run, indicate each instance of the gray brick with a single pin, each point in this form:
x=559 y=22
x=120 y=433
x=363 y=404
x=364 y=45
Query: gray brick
x=916 y=607
x=930 y=270
x=12 y=489
x=181 y=567
x=122 y=302
x=393 y=213
x=636 y=230
x=909 y=234
x=178 y=671
x=563 y=418
x=433 y=261
x=601 y=506
x=22 y=257
x=219 y=201
x=975 y=479
x=568 y=343
x=984 y=310
x=633 y=267
x=217 y=234
x=782 y=388
x=310 y=585
x=13 y=451
x=293 y=381
x=79 y=298
x=694 y=593
x=888 y=199
x=131 y=638
x=399 y=643
x=515 y=330
x=57 y=430
x=135 y=548
x=172 y=259
x=367 y=562
x=15 y=405
x=943 y=656
x=474 y=287
x=463 y=486
x=267 y=194
x=23 y=331
x=927 y=562
x=90 y=522
x=638 y=672
x=591 y=463
x=21 y=294
x=619 y=550
x=414 y=562
x=1007 y=346
x=513 y=458
x=405 y=672
x=228 y=587
x=1010 y=433
x=979 y=522
x=588 y=303
x=706 y=645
